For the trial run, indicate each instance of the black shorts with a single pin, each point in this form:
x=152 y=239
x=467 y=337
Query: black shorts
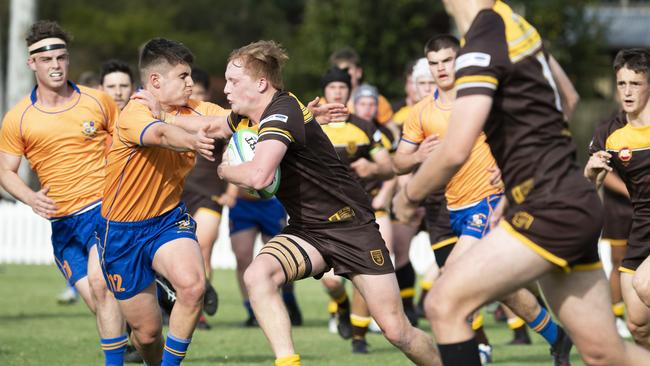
x=563 y=228
x=618 y=218
x=441 y=237
x=348 y=249
x=197 y=201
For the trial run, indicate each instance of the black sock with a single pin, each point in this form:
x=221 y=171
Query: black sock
x=460 y=354
x=481 y=337
x=406 y=282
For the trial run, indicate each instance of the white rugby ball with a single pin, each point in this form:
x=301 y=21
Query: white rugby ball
x=240 y=149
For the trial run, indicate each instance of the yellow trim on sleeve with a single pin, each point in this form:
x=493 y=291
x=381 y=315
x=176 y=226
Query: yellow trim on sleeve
x=616 y=242
x=477 y=79
x=626 y=270
x=278 y=130
x=444 y=243
x=537 y=248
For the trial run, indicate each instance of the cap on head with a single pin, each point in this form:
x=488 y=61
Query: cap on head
x=336 y=74
x=421 y=69
x=365 y=90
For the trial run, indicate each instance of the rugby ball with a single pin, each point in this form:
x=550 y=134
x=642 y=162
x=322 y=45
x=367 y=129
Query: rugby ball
x=240 y=149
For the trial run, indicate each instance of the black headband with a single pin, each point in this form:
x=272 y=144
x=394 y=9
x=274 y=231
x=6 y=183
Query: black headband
x=49 y=47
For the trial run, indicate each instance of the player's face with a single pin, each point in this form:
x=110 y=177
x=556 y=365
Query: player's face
x=176 y=85
x=199 y=93
x=241 y=89
x=118 y=86
x=633 y=90
x=409 y=88
x=441 y=64
x=424 y=86
x=50 y=68
x=337 y=92
x=366 y=108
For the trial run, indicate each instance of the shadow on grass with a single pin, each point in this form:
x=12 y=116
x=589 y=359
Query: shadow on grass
x=36 y=316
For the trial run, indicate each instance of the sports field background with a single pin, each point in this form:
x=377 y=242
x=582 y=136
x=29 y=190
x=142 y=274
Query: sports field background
x=34 y=330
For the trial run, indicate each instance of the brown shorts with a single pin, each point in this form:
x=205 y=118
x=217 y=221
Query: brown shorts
x=348 y=249
x=618 y=218
x=635 y=253
x=196 y=201
x=438 y=226
x=563 y=228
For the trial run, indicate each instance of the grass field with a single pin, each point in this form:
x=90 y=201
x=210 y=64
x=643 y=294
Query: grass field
x=34 y=330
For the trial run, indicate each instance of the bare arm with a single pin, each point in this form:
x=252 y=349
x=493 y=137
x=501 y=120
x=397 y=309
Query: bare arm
x=380 y=167
x=615 y=184
x=11 y=182
x=259 y=172
x=408 y=156
x=568 y=93
x=177 y=139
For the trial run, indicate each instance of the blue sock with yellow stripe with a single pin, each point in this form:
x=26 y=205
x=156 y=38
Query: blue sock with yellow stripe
x=175 y=350
x=545 y=326
x=114 y=350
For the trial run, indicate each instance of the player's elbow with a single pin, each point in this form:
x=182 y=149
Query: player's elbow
x=456 y=159
x=261 y=179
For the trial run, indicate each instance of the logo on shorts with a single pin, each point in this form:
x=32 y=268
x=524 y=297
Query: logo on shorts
x=90 y=129
x=377 y=257
x=351 y=148
x=625 y=154
x=523 y=220
x=478 y=220
x=186 y=224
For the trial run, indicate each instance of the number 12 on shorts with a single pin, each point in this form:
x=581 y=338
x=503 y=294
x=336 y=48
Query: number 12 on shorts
x=115 y=281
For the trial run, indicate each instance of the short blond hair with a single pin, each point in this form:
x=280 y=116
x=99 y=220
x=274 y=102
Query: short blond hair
x=262 y=59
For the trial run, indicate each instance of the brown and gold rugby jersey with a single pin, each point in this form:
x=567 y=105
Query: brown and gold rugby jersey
x=630 y=150
x=503 y=57
x=316 y=188
x=353 y=140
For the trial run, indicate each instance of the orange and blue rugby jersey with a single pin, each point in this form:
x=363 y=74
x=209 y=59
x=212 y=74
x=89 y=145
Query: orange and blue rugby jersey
x=143 y=182
x=65 y=145
x=472 y=182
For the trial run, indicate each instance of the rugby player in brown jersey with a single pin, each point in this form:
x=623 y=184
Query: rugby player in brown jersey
x=331 y=220
x=622 y=146
x=550 y=229
x=358 y=144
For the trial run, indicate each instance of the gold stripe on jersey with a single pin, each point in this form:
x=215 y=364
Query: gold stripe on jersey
x=341 y=133
x=444 y=243
x=523 y=39
x=278 y=131
x=306 y=113
x=629 y=137
x=626 y=270
x=587 y=266
x=472 y=81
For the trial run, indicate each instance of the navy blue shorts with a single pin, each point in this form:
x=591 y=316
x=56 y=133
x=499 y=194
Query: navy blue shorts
x=72 y=238
x=474 y=220
x=268 y=216
x=127 y=249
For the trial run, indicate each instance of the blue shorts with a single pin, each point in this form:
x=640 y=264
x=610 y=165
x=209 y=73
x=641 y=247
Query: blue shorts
x=268 y=216
x=474 y=221
x=127 y=249
x=72 y=238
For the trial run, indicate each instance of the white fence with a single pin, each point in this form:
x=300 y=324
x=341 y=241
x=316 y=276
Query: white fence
x=25 y=238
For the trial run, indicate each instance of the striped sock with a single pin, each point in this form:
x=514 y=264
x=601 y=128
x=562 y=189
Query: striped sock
x=291 y=360
x=114 y=350
x=359 y=325
x=618 y=309
x=175 y=350
x=545 y=326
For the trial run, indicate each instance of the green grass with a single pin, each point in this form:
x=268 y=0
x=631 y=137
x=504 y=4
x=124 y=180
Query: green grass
x=34 y=330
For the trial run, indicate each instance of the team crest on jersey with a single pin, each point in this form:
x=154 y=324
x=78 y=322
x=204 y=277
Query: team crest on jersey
x=625 y=154
x=89 y=128
x=377 y=257
x=351 y=148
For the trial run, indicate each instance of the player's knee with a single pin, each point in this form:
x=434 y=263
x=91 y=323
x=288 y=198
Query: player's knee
x=190 y=287
x=596 y=355
x=147 y=336
x=259 y=277
x=642 y=287
x=396 y=330
x=438 y=307
x=98 y=285
x=640 y=331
